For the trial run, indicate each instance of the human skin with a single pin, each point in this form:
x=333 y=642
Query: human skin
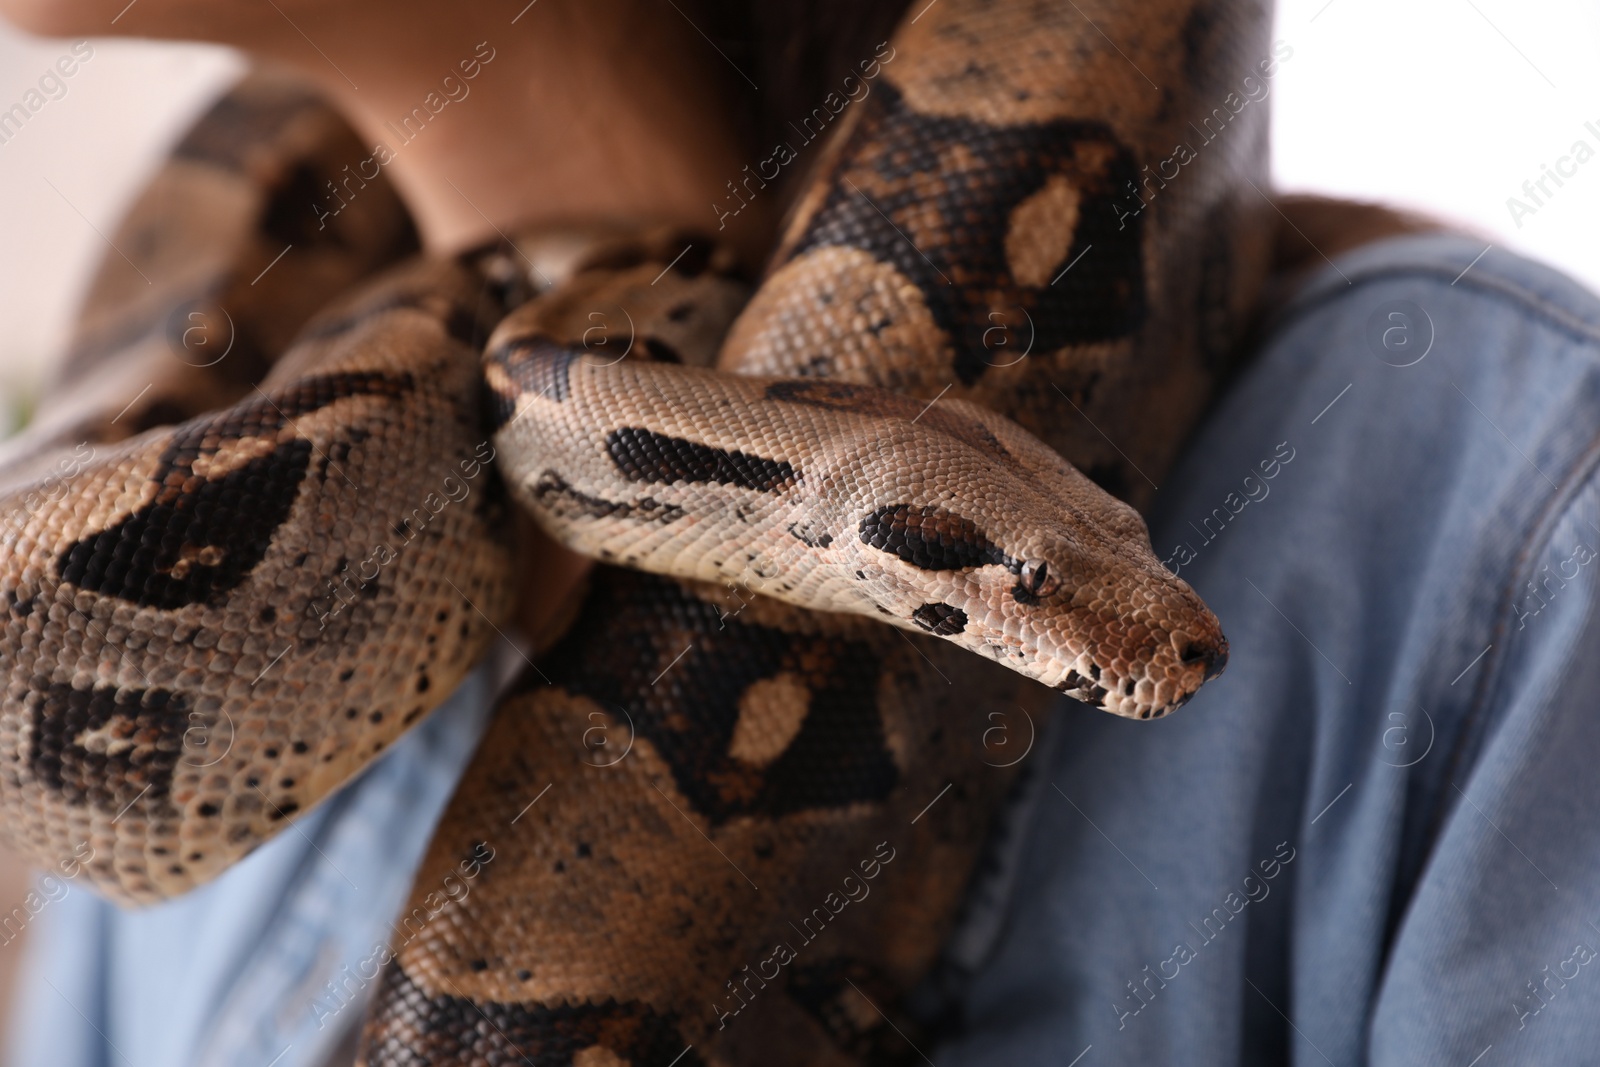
x=589 y=109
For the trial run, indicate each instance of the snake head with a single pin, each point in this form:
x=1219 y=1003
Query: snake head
x=1035 y=566
x=1100 y=619
x=948 y=518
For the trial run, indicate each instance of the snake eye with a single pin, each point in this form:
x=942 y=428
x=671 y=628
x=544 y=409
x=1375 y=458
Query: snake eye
x=1035 y=578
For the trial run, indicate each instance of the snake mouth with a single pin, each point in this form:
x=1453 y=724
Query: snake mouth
x=1161 y=687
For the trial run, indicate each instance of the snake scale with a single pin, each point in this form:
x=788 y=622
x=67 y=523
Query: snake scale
x=730 y=816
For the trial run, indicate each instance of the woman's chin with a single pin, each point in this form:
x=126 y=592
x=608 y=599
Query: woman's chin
x=178 y=20
x=61 y=18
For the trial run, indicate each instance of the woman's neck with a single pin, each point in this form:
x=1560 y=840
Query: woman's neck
x=577 y=110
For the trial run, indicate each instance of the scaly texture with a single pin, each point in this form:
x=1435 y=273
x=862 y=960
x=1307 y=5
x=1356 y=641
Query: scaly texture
x=209 y=627
x=950 y=520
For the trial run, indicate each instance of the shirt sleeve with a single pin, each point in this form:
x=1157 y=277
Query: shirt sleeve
x=1496 y=958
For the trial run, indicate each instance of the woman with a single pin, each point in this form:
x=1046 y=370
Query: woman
x=1367 y=842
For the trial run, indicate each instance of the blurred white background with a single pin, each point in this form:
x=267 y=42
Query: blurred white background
x=73 y=168
x=1443 y=105
x=1448 y=106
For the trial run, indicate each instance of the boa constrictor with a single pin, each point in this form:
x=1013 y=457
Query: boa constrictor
x=226 y=596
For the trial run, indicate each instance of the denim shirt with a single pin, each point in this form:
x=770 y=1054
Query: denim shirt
x=1375 y=839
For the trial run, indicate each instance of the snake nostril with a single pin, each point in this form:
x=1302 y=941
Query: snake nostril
x=1215 y=657
x=1219 y=660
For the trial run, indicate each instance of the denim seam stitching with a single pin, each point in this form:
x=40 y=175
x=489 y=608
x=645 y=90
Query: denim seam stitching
x=1539 y=541
x=1548 y=313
